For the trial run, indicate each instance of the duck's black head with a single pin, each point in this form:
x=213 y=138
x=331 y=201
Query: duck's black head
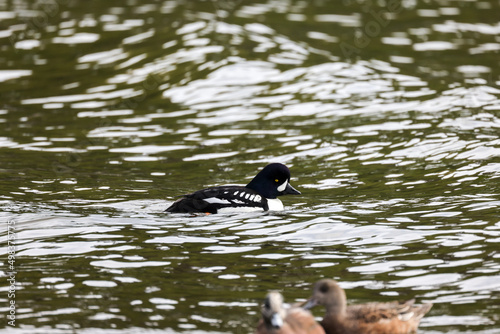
x=273 y=181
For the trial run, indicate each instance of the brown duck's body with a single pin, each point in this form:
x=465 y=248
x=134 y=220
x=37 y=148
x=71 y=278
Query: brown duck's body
x=292 y=320
x=370 y=318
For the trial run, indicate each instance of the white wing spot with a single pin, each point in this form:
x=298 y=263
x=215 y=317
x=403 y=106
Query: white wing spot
x=236 y=193
x=215 y=200
x=257 y=198
x=247 y=195
x=252 y=197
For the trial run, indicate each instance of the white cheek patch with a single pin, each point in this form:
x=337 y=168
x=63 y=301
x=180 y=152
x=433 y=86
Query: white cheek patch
x=282 y=187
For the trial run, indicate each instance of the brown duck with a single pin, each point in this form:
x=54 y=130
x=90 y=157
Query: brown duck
x=278 y=318
x=370 y=318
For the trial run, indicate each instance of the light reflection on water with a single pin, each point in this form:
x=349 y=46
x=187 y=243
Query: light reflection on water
x=392 y=137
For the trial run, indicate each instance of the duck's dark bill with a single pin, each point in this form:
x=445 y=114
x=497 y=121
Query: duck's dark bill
x=309 y=304
x=289 y=190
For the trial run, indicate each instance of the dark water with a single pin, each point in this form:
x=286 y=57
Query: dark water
x=387 y=113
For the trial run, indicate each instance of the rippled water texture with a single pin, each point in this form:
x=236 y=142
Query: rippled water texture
x=387 y=113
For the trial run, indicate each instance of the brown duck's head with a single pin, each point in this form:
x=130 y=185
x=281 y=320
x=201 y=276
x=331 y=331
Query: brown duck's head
x=272 y=310
x=328 y=293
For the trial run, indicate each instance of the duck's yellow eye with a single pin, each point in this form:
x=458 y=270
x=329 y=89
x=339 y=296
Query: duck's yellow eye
x=276 y=180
